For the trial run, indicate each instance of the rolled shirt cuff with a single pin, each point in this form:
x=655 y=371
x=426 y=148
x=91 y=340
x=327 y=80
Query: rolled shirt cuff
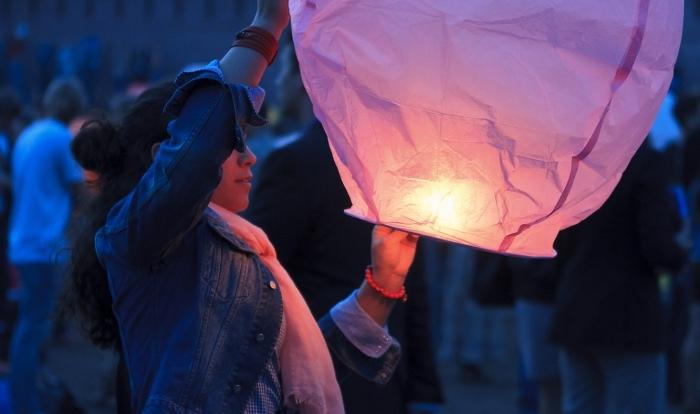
x=360 y=329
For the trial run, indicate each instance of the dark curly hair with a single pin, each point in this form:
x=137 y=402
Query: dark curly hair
x=119 y=155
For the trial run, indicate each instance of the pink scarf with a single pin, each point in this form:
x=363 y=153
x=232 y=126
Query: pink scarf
x=308 y=377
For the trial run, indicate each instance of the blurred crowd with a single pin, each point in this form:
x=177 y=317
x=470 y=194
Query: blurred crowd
x=611 y=325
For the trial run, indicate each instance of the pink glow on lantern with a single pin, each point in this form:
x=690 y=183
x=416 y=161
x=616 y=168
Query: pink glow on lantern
x=500 y=122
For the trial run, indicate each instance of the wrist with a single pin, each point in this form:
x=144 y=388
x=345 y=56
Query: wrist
x=367 y=292
x=389 y=286
x=388 y=281
x=374 y=304
x=259 y=40
x=272 y=25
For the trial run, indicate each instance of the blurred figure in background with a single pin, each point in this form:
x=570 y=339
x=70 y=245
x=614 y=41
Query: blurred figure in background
x=10 y=113
x=687 y=110
x=139 y=67
x=473 y=312
x=608 y=314
x=666 y=137
x=45 y=177
x=295 y=111
x=18 y=62
x=298 y=200
x=10 y=110
x=534 y=289
x=434 y=254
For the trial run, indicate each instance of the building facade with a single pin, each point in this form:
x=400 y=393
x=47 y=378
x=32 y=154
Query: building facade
x=112 y=35
x=176 y=33
x=689 y=57
x=179 y=31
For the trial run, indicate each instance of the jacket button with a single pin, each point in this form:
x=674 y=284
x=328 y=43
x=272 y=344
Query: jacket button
x=237 y=388
x=260 y=337
x=273 y=285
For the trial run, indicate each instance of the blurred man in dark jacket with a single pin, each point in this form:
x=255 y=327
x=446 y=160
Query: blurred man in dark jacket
x=10 y=111
x=534 y=289
x=608 y=313
x=298 y=200
x=687 y=111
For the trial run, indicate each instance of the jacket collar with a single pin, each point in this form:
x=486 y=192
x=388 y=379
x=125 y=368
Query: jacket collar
x=221 y=228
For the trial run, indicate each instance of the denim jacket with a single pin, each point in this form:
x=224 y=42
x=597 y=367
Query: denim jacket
x=197 y=312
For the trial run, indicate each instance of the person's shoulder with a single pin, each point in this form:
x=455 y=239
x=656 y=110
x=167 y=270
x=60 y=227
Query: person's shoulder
x=306 y=157
x=58 y=128
x=288 y=143
x=49 y=130
x=283 y=152
x=309 y=145
x=650 y=163
x=47 y=124
x=43 y=137
x=28 y=134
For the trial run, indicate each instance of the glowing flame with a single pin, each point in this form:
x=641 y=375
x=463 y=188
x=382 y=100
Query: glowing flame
x=440 y=201
x=444 y=205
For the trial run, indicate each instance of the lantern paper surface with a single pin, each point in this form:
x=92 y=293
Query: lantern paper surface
x=491 y=123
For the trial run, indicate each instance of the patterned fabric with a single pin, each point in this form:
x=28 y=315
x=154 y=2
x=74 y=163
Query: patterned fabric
x=356 y=325
x=267 y=395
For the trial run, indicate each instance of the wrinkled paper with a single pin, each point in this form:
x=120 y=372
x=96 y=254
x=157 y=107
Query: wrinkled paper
x=491 y=123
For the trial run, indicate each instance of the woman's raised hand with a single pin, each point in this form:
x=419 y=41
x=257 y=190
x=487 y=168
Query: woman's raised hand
x=392 y=255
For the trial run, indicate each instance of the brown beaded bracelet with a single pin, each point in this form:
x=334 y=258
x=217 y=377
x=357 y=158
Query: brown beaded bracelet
x=259 y=40
x=401 y=294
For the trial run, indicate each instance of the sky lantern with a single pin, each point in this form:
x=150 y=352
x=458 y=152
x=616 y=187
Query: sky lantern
x=491 y=123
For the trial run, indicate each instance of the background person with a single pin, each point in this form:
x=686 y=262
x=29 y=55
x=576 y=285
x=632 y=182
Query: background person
x=45 y=179
x=608 y=315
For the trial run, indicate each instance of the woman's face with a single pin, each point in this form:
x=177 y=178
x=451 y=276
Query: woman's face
x=236 y=183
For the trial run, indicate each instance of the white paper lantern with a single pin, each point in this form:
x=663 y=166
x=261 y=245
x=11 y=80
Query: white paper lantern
x=491 y=123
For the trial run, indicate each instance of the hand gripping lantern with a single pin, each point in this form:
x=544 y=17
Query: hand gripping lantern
x=491 y=123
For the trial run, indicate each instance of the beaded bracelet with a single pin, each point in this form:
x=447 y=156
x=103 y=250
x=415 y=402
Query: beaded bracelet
x=401 y=294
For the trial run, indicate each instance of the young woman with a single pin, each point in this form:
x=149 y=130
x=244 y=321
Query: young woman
x=206 y=318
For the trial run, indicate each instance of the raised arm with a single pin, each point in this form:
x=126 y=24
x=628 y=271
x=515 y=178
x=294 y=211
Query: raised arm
x=355 y=329
x=242 y=65
x=211 y=107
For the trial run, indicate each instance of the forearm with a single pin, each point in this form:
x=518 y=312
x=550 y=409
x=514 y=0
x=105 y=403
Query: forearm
x=246 y=66
x=377 y=306
x=172 y=194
